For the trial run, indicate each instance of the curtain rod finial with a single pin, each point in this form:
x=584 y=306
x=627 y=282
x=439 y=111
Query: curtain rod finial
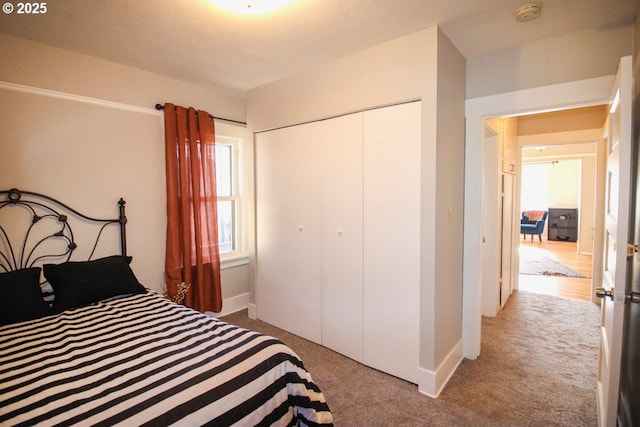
x=159 y=107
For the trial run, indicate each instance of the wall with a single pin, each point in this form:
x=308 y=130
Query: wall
x=500 y=158
x=557 y=73
x=574 y=119
x=407 y=68
x=509 y=153
x=39 y=65
x=447 y=298
x=567 y=58
x=84 y=131
x=512 y=165
x=399 y=70
x=564 y=179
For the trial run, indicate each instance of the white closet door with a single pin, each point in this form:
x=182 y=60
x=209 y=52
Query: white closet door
x=288 y=215
x=341 y=143
x=392 y=239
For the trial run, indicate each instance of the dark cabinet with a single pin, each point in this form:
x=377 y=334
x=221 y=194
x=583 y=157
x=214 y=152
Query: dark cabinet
x=563 y=225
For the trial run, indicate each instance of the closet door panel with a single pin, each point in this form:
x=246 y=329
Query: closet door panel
x=288 y=206
x=341 y=143
x=392 y=239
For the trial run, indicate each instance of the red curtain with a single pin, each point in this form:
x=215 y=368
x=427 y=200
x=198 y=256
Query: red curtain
x=192 y=255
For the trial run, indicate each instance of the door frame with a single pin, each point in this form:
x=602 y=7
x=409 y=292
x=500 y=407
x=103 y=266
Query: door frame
x=546 y=98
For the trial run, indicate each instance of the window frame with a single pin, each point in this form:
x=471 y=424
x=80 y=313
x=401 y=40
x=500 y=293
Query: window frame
x=239 y=254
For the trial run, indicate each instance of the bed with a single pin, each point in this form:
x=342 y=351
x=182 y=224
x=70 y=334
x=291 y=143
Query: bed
x=84 y=343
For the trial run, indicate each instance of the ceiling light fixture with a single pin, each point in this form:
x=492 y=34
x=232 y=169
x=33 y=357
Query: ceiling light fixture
x=528 y=11
x=250 y=7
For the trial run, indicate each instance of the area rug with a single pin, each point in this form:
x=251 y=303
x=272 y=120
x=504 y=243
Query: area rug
x=542 y=265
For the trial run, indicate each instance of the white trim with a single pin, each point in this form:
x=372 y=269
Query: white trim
x=231 y=305
x=236 y=197
x=79 y=98
x=600 y=404
x=253 y=314
x=432 y=383
x=235 y=261
x=560 y=157
x=547 y=98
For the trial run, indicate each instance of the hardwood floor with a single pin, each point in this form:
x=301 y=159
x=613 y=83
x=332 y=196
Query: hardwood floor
x=566 y=287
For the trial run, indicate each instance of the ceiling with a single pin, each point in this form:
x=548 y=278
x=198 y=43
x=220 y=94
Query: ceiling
x=198 y=42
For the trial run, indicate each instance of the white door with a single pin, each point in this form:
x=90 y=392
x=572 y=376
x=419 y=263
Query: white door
x=288 y=217
x=392 y=239
x=617 y=206
x=342 y=251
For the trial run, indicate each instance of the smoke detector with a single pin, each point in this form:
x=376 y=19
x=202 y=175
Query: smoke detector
x=528 y=11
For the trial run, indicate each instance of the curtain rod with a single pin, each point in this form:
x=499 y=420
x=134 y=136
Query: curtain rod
x=161 y=107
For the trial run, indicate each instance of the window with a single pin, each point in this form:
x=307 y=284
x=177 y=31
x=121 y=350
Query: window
x=534 y=193
x=228 y=188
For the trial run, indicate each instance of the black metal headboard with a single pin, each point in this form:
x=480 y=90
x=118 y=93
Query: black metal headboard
x=40 y=207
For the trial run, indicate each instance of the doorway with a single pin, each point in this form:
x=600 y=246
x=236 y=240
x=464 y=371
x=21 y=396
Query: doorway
x=554 y=97
x=540 y=99
x=550 y=161
x=560 y=179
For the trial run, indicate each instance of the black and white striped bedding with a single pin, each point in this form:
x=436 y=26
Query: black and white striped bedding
x=143 y=360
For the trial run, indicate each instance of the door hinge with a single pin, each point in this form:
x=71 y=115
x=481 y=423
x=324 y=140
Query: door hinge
x=604 y=293
x=632 y=249
x=633 y=297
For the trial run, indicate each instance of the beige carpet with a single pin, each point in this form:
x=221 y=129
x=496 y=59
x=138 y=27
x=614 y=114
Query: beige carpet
x=537 y=368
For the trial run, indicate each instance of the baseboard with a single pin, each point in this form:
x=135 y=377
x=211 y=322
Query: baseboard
x=432 y=383
x=231 y=305
x=253 y=314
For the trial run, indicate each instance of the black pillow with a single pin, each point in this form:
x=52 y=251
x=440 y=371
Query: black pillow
x=86 y=282
x=20 y=296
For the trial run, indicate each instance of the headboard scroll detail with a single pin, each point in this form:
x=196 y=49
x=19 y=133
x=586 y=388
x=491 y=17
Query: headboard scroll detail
x=51 y=217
